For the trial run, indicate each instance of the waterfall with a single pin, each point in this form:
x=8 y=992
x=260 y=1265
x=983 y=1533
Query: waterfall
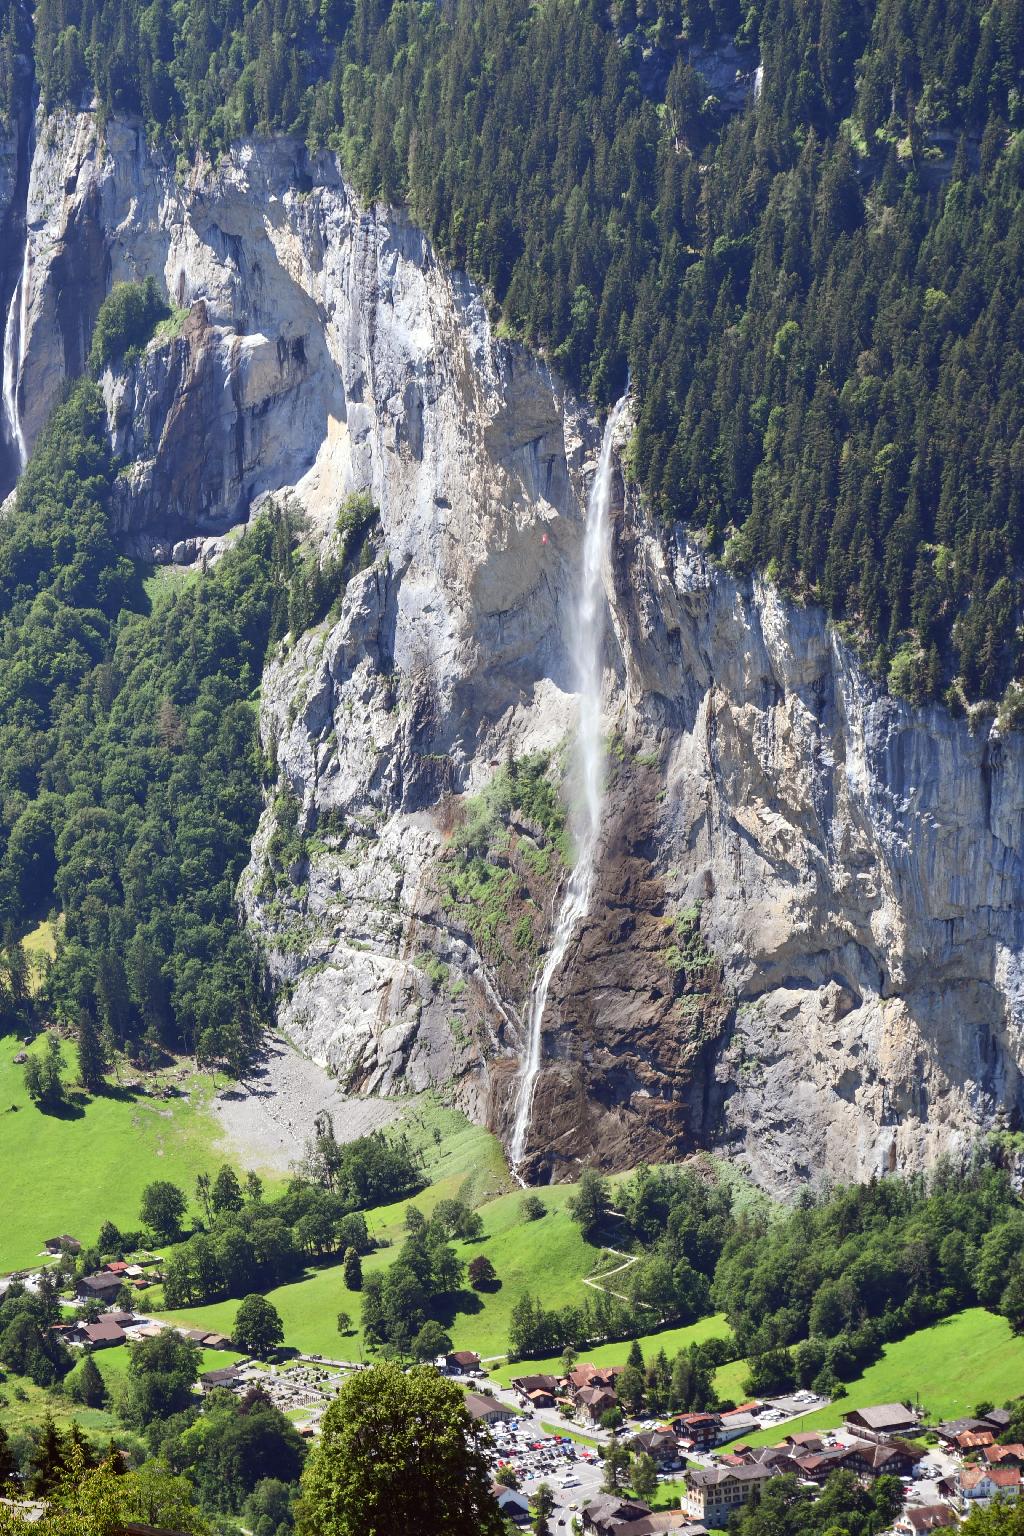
x=588 y=635
x=758 y=81
x=14 y=342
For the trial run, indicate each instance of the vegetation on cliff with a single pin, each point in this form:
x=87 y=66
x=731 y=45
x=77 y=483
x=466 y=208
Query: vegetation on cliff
x=129 y=763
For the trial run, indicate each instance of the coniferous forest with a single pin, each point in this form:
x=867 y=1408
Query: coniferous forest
x=818 y=297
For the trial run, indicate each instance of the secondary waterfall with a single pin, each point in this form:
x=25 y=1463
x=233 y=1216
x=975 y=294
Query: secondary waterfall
x=14 y=342
x=588 y=635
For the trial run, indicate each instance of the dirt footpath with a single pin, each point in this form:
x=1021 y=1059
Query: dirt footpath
x=267 y=1116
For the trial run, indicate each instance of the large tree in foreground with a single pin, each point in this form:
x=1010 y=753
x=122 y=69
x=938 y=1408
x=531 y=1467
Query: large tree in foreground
x=399 y=1452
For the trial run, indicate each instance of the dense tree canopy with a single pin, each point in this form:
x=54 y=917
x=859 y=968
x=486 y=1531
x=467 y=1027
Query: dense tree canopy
x=399 y=1452
x=129 y=762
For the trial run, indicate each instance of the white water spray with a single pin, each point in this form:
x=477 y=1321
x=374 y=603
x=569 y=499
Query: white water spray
x=588 y=634
x=758 y=81
x=14 y=344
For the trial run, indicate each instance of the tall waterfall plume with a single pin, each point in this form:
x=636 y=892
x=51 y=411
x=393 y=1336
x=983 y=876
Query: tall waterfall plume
x=14 y=345
x=588 y=638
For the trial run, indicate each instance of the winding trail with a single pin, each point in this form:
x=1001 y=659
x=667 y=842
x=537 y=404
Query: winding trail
x=595 y=1281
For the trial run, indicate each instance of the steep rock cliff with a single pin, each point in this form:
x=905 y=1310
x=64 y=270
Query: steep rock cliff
x=805 y=946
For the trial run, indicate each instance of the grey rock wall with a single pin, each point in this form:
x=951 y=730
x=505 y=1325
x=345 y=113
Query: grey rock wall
x=857 y=864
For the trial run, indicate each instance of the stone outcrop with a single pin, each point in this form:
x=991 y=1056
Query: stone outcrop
x=805 y=944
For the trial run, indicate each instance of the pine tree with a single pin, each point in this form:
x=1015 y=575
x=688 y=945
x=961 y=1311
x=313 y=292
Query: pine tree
x=47 y=1460
x=92 y=1062
x=352 y=1270
x=89 y=1386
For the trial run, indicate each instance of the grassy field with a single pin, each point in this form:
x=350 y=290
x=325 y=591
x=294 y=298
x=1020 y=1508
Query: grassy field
x=23 y=1405
x=671 y=1340
x=947 y=1368
x=93 y=1160
x=547 y=1256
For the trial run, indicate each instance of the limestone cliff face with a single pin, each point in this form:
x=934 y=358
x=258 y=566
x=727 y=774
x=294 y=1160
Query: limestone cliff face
x=805 y=946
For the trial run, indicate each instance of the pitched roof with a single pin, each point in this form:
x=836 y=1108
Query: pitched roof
x=972 y=1439
x=535 y=1383
x=667 y=1521
x=711 y=1477
x=463 y=1356
x=103 y=1333
x=101 y=1282
x=999 y=1453
x=612 y=1506
x=929 y=1517
x=479 y=1405
x=882 y=1415
x=590 y=1396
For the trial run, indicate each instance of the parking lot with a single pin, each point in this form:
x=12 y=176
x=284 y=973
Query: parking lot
x=572 y=1471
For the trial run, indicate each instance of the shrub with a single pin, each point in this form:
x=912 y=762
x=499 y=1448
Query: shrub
x=127 y=319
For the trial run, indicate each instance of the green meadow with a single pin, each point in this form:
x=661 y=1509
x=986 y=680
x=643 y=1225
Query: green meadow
x=946 y=1368
x=92 y=1161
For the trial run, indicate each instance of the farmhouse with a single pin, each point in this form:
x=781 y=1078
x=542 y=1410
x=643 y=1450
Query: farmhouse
x=461 y=1360
x=64 y=1243
x=882 y=1422
x=101 y=1335
x=487 y=1409
x=525 y=1386
x=99 y=1287
x=711 y=1494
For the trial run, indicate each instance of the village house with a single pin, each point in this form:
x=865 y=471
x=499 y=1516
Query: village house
x=101 y=1335
x=805 y=1441
x=998 y=1419
x=513 y=1505
x=981 y=1482
x=882 y=1422
x=459 y=1361
x=102 y=1286
x=223 y=1376
x=525 y=1386
x=919 y=1520
x=539 y=1399
x=487 y=1409
x=609 y=1512
x=1004 y=1455
x=660 y=1444
x=584 y=1376
x=711 y=1494
x=62 y=1244
x=948 y=1430
x=592 y=1402
x=974 y=1439
x=700 y=1429
x=663 y=1522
